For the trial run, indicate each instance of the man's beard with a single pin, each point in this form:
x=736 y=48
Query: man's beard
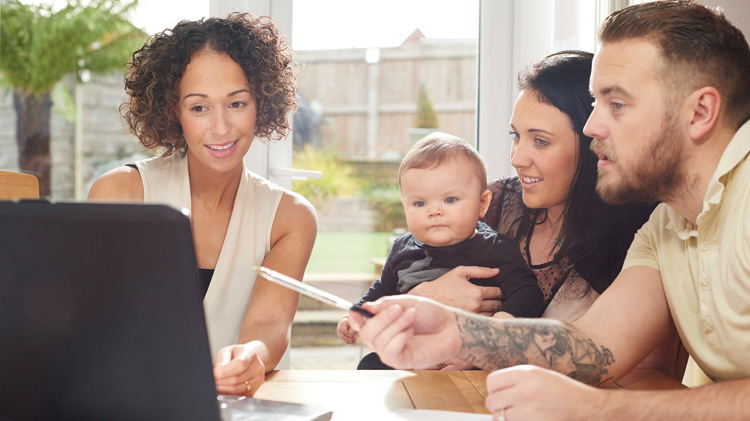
x=654 y=176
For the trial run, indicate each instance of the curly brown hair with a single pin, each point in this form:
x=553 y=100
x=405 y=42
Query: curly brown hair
x=153 y=76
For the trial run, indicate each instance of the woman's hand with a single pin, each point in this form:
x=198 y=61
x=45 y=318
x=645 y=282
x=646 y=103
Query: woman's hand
x=454 y=289
x=345 y=331
x=239 y=370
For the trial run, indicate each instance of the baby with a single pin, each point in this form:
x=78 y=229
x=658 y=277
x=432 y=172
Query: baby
x=443 y=185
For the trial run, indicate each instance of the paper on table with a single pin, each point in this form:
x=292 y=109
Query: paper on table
x=434 y=415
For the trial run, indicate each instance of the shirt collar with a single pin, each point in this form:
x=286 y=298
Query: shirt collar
x=736 y=151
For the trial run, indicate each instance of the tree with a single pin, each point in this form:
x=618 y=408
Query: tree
x=426 y=117
x=39 y=46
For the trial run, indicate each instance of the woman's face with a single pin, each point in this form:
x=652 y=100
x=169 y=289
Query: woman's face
x=543 y=152
x=217 y=111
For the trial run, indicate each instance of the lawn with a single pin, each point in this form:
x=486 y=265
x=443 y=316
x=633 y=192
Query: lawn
x=347 y=252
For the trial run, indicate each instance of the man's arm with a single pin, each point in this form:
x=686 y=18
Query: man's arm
x=616 y=333
x=528 y=392
x=720 y=401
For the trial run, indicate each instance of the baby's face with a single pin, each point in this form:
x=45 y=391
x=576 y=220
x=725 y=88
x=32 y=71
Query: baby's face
x=444 y=203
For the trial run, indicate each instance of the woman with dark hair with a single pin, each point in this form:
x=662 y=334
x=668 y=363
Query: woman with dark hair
x=199 y=94
x=573 y=241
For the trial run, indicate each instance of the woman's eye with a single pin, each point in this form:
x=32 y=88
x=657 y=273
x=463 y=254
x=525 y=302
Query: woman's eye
x=514 y=136
x=237 y=104
x=540 y=142
x=450 y=200
x=198 y=108
x=419 y=203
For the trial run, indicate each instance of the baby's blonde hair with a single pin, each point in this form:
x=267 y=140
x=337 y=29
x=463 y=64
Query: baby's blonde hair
x=436 y=148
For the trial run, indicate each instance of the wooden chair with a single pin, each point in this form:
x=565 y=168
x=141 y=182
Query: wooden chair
x=16 y=185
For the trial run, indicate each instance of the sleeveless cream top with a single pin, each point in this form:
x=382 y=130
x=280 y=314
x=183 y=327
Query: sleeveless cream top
x=248 y=240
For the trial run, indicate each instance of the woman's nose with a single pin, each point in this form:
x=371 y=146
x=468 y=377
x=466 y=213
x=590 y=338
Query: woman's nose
x=220 y=123
x=518 y=156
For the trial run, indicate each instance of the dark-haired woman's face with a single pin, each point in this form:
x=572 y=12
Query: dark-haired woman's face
x=217 y=111
x=543 y=152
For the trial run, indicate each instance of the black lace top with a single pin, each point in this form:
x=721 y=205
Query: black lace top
x=506 y=215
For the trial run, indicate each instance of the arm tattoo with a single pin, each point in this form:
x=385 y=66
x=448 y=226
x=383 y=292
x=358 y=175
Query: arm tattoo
x=491 y=344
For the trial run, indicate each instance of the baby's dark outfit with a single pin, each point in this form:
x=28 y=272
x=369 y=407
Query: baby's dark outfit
x=411 y=262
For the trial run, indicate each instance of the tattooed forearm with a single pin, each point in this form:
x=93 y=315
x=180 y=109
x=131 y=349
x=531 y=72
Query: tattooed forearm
x=491 y=344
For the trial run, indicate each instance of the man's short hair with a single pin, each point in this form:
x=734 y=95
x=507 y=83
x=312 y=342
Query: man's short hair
x=436 y=148
x=699 y=45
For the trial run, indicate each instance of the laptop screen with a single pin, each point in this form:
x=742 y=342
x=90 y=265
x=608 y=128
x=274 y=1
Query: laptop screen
x=101 y=314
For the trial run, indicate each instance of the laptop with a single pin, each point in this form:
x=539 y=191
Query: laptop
x=101 y=317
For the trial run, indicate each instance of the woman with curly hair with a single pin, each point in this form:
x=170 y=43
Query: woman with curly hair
x=199 y=94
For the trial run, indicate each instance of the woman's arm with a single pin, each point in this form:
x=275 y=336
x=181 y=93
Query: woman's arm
x=266 y=329
x=268 y=321
x=123 y=183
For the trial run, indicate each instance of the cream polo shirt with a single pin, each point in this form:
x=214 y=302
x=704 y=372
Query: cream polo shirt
x=705 y=268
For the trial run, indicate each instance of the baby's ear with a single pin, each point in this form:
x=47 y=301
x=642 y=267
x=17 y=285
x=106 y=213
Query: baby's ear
x=484 y=202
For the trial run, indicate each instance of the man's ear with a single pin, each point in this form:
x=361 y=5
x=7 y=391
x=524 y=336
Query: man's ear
x=704 y=104
x=484 y=202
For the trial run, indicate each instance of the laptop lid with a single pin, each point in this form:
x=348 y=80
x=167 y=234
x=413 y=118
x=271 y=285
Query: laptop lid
x=101 y=314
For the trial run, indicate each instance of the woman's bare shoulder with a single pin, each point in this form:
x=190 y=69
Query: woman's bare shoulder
x=122 y=183
x=296 y=221
x=297 y=210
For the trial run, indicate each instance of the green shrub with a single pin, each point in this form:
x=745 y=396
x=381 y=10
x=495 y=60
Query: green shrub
x=338 y=177
x=385 y=200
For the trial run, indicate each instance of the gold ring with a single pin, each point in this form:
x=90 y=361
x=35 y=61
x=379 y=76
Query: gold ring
x=247 y=386
x=501 y=417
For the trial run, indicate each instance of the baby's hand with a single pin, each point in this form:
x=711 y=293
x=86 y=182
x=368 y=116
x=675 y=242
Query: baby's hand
x=345 y=331
x=503 y=315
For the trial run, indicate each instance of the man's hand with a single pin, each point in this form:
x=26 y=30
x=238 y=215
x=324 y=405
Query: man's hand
x=408 y=332
x=454 y=289
x=527 y=392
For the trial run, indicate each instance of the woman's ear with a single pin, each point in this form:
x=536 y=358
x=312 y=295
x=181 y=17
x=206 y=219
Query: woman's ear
x=484 y=202
x=704 y=105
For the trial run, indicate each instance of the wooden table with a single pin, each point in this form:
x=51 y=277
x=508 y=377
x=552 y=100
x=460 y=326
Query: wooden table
x=352 y=394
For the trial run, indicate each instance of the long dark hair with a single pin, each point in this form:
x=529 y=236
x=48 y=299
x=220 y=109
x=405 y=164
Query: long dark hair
x=594 y=236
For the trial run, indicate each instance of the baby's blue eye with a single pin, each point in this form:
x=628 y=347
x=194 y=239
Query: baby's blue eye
x=419 y=203
x=451 y=200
